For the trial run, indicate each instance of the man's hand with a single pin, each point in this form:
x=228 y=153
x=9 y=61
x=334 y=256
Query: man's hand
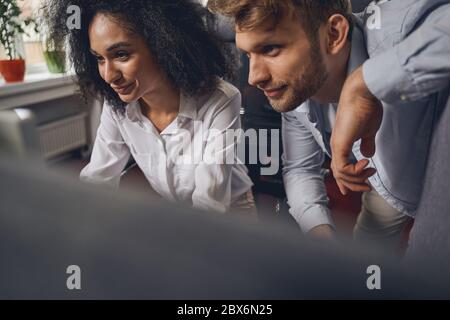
x=323 y=231
x=359 y=116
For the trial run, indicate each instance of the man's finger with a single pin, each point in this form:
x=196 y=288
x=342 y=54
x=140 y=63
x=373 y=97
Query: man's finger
x=342 y=188
x=368 y=146
x=360 y=178
x=356 y=187
x=350 y=169
x=339 y=161
x=360 y=165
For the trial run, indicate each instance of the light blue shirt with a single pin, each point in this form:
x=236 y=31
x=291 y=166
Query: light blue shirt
x=408 y=43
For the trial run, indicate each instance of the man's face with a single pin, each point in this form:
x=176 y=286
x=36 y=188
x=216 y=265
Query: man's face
x=284 y=63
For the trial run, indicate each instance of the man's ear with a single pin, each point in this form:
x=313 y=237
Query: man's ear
x=337 y=30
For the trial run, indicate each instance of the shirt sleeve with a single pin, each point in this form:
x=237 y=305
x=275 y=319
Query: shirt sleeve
x=213 y=173
x=109 y=155
x=416 y=67
x=303 y=181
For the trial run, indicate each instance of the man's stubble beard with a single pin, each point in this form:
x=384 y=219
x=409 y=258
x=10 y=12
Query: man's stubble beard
x=307 y=85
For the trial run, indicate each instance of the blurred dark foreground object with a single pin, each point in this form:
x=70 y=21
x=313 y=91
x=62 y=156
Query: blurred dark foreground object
x=430 y=236
x=131 y=247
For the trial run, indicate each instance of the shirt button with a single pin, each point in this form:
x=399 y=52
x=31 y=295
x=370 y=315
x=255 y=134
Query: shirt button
x=403 y=97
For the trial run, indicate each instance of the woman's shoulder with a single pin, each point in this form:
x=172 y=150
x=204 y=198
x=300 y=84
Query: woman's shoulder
x=227 y=89
x=224 y=94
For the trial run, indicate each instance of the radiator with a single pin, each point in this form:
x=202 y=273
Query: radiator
x=63 y=135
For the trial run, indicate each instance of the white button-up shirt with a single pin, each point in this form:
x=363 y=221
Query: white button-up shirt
x=177 y=162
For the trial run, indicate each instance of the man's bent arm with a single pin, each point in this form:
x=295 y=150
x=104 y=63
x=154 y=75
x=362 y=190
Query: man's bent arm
x=303 y=181
x=417 y=66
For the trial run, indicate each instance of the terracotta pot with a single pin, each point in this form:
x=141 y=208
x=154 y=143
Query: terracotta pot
x=12 y=70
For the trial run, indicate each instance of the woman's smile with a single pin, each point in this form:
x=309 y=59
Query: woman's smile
x=124 y=90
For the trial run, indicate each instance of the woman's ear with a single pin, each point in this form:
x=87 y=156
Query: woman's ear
x=337 y=30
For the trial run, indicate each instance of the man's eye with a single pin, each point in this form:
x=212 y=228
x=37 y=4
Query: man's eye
x=270 y=50
x=99 y=59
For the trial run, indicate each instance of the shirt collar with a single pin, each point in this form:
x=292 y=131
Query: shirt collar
x=188 y=108
x=358 y=53
x=131 y=111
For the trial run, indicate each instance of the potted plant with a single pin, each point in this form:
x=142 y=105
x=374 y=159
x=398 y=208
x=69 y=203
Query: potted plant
x=53 y=44
x=11 y=27
x=55 y=56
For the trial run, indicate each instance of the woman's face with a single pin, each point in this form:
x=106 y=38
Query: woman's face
x=124 y=59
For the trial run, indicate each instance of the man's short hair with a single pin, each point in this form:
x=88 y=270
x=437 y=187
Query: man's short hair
x=250 y=14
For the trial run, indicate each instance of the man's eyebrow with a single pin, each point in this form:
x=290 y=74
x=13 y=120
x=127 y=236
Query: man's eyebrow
x=264 y=41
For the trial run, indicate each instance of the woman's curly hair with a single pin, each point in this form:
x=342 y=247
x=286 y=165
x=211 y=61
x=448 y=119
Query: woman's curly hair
x=191 y=57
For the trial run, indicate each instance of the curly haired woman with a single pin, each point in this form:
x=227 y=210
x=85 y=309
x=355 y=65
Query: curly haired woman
x=160 y=74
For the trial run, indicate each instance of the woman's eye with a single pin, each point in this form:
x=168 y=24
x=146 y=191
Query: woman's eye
x=122 y=55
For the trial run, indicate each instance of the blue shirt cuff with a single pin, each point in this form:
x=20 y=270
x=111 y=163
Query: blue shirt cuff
x=314 y=216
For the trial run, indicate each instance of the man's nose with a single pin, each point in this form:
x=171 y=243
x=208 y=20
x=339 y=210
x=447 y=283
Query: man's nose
x=258 y=72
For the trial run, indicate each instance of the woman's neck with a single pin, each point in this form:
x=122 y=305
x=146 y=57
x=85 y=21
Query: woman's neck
x=161 y=107
x=164 y=101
